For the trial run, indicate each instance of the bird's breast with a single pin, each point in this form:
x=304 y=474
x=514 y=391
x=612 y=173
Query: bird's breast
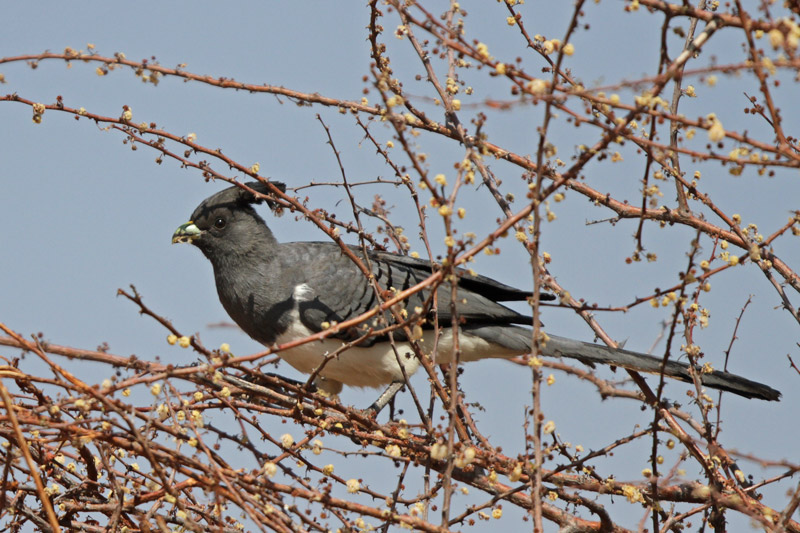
x=256 y=306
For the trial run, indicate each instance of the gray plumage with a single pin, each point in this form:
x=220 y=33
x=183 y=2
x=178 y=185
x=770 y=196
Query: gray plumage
x=279 y=292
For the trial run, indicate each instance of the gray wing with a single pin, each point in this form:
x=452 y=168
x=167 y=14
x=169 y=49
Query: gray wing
x=488 y=287
x=339 y=291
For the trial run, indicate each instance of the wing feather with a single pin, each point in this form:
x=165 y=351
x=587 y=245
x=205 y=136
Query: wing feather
x=339 y=291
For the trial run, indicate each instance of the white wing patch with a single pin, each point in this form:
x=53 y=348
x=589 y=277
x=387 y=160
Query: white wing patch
x=303 y=293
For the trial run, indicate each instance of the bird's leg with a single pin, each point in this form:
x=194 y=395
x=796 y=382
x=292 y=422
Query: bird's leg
x=386 y=397
x=392 y=409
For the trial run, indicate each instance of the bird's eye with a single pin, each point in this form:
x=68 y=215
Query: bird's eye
x=219 y=223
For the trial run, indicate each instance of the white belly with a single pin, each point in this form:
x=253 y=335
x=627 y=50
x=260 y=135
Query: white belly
x=376 y=365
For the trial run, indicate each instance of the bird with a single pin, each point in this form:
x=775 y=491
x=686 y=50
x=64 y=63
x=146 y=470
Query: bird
x=282 y=292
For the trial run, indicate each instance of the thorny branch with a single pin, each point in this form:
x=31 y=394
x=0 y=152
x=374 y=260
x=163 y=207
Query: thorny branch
x=145 y=449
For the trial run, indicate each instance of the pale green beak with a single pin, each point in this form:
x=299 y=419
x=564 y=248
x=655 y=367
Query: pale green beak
x=186 y=233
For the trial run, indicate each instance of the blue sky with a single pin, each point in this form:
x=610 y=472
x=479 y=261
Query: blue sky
x=83 y=214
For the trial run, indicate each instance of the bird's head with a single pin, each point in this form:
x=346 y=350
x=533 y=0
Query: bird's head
x=226 y=222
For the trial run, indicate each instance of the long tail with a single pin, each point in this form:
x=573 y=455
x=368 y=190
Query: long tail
x=591 y=354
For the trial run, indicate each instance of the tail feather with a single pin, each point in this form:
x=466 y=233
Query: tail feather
x=516 y=340
x=591 y=354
